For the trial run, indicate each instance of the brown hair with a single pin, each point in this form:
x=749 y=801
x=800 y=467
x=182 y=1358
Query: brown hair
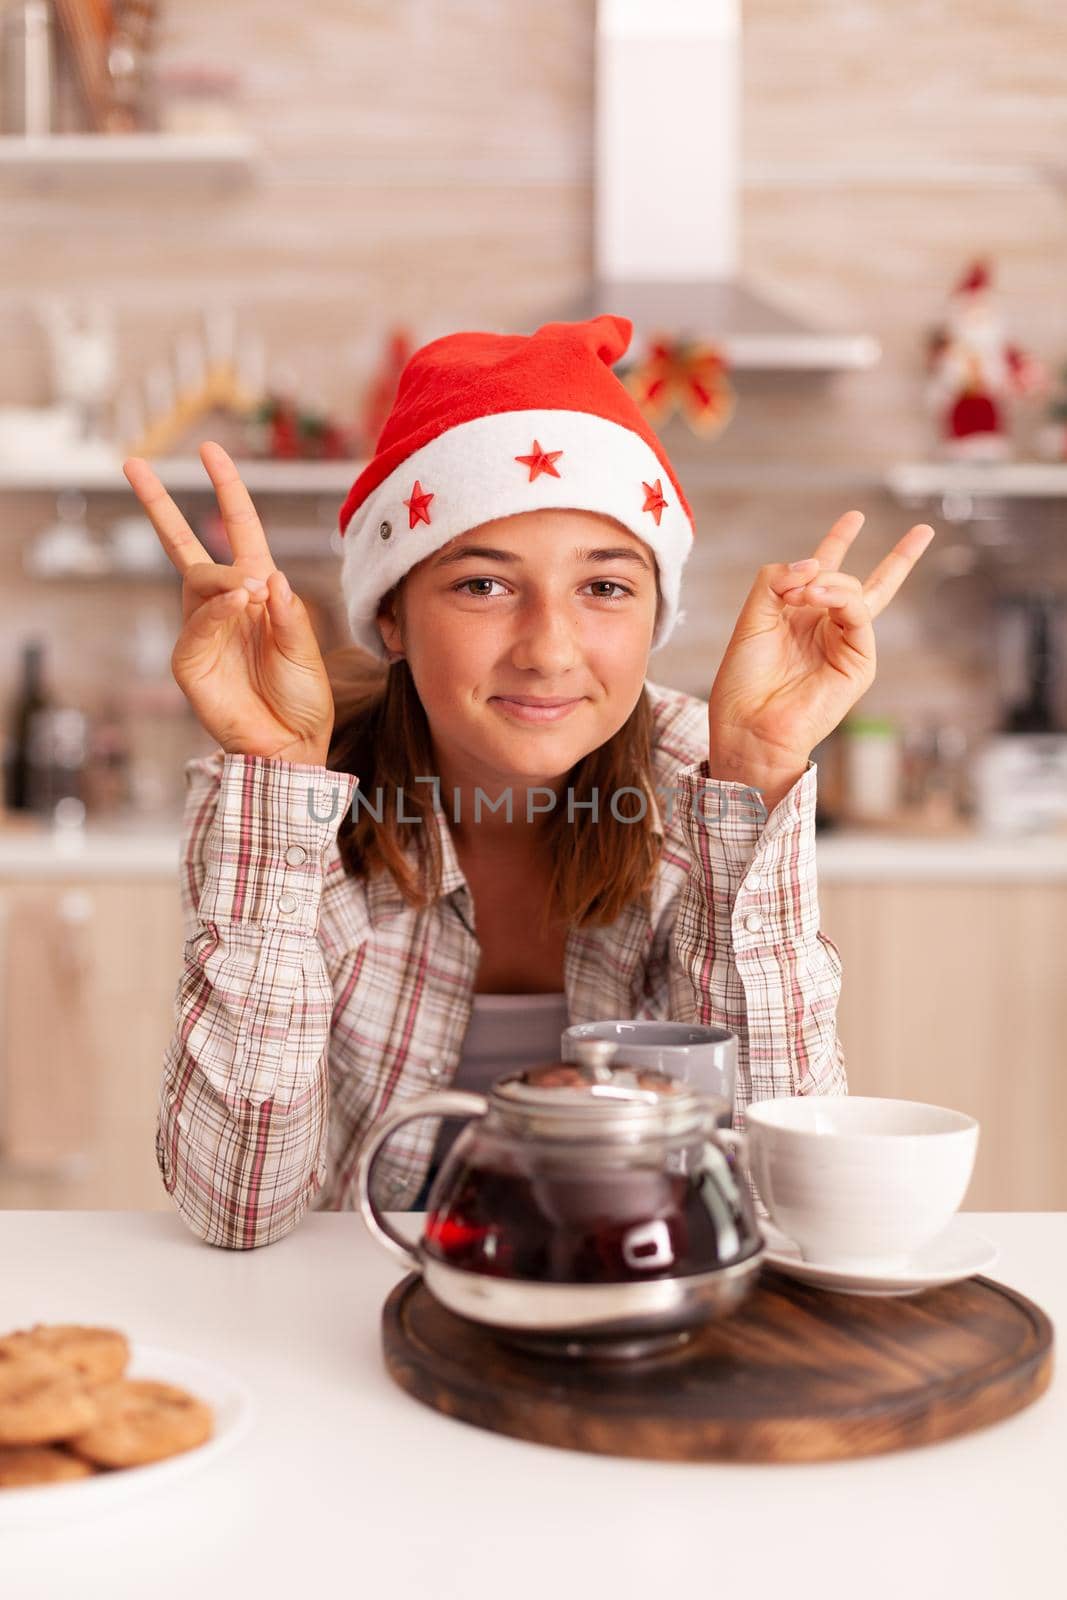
x=381 y=734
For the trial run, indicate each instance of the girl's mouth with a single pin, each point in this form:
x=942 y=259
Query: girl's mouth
x=529 y=709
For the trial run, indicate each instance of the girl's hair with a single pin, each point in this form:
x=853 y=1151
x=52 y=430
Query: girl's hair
x=381 y=734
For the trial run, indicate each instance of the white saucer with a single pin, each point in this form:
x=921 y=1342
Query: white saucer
x=958 y=1252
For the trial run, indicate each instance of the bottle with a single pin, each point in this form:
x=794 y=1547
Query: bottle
x=156 y=717
x=31 y=698
x=937 y=793
x=57 y=760
x=872 y=768
x=108 y=770
x=1035 y=712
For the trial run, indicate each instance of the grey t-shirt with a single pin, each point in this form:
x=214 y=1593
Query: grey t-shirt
x=506 y=1032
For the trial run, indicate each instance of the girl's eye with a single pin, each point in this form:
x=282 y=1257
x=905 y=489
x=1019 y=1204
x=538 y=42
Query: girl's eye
x=465 y=585
x=609 y=583
x=603 y=583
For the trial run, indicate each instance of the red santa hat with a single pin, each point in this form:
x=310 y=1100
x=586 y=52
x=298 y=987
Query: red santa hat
x=486 y=425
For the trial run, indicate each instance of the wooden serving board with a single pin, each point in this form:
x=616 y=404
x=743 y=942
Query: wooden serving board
x=795 y=1374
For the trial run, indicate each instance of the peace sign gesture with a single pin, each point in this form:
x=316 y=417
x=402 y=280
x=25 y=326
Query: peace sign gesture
x=800 y=656
x=247 y=658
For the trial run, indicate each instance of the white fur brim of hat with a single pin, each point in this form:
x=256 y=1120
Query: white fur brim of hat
x=473 y=475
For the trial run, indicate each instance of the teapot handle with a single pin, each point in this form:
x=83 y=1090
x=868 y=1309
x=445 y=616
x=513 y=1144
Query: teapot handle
x=730 y=1138
x=446 y=1103
x=735 y=1142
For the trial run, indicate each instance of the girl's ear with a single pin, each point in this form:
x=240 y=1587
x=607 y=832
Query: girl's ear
x=388 y=626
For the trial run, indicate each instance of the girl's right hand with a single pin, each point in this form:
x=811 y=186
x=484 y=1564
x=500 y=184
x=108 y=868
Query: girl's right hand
x=247 y=658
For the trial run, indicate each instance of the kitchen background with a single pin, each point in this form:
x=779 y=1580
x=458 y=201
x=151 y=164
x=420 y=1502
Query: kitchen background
x=236 y=229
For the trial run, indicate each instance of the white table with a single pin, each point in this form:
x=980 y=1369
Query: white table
x=346 y=1480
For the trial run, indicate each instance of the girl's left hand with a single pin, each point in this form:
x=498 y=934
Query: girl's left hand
x=802 y=653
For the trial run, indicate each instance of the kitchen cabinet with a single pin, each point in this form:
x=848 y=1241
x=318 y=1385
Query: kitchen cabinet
x=88 y=973
x=953 y=992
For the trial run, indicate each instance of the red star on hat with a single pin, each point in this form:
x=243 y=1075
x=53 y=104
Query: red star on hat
x=540 y=461
x=420 y=500
x=654 y=501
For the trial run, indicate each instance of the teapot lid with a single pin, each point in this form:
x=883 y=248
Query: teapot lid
x=593 y=1096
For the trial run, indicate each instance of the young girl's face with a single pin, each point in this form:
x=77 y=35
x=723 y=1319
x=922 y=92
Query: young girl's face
x=548 y=604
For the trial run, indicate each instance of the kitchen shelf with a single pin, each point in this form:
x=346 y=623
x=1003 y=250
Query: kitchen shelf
x=974 y=480
x=907 y=481
x=184 y=473
x=286 y=550
x=67 y=157
x=904 y=173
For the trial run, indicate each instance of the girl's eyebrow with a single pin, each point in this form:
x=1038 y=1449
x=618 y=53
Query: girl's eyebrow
x=484 y=553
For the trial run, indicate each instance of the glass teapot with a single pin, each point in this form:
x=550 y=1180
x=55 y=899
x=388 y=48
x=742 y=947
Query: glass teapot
x=585 y=1207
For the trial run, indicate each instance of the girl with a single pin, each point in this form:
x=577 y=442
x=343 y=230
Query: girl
x=481 y=822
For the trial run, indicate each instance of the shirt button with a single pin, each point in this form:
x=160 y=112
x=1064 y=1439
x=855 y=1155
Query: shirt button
x=753 y=922
x=296 y=855
x=435 y=1072
x=753 y=881
x=287 y=902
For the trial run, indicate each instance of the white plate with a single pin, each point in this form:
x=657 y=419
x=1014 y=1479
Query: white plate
x=231 y=1402
x=958 y=1252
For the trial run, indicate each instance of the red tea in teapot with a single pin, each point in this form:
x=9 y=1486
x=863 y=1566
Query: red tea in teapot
x=573 y=1221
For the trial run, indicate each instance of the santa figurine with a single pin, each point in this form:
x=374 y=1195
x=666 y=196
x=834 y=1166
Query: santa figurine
x=974 y=373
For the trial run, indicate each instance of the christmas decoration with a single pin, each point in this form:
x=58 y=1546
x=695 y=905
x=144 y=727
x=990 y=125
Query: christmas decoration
x=203 y=380
x=489 y=425
x=209 y=383
x=685 y=375
x=540 y=461
x=418 y=505
x=281 y=430
x=974 y=372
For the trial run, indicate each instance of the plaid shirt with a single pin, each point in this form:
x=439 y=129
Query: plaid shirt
x=311 y=1001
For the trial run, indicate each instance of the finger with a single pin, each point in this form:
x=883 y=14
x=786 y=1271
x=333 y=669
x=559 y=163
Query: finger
x=207 y=579
x=798 y=595
x=831 y=550
x=240 y=518
x=787 y=582
x=290 y=623
x=887 y=577
x=842 y=597
x=175 y=535
x=207 y=621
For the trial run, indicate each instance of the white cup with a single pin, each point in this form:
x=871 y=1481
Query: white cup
x=859 y=1182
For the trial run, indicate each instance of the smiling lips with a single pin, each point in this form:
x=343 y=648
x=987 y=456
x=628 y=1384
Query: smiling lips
x=530 y=708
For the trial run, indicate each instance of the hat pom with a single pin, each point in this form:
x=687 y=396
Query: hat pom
x=607 y=336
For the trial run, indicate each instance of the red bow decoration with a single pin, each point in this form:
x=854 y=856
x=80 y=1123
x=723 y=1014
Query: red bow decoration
x=686 y=375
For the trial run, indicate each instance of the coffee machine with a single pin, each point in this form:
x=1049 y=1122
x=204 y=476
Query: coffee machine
x=1020 y=777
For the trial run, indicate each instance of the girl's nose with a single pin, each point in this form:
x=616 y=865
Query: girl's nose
x=546 y=640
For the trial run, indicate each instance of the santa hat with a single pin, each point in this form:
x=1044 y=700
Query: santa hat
x=485 y=425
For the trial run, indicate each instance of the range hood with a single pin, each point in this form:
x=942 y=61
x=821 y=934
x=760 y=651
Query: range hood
x=667 y=191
